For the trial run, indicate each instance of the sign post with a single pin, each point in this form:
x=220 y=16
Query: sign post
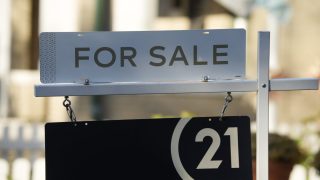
x=177 y=67
x=263 y=106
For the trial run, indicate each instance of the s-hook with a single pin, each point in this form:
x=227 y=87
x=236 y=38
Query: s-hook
x=67 y=105
x=227 y=100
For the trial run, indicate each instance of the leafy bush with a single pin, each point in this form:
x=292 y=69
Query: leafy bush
x=316 y=162
x=281 y=149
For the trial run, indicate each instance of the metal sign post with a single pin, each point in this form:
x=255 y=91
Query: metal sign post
x=262 y=86
x=263 y=106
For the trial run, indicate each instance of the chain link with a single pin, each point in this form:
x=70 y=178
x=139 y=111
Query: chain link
x=67 y=104
x=227 y=100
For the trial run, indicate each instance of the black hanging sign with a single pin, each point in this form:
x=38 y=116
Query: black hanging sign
x=167 y=149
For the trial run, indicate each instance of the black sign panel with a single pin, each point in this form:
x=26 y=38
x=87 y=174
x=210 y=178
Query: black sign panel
x=191 y=148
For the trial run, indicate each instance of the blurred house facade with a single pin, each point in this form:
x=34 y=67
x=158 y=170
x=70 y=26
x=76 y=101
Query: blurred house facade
x=294 y=27
x=294 y=52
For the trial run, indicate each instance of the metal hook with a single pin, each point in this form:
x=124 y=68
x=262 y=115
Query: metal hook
x=67 y=104
x=227 y=100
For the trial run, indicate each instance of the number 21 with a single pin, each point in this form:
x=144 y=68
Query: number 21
x=207 y=162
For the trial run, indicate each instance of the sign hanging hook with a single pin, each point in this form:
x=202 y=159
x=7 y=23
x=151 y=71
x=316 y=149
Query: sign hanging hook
x=227 y=100
x=67 y=104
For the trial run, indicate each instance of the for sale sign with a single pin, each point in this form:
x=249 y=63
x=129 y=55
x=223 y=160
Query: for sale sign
x=190 y=148
x=143 y=56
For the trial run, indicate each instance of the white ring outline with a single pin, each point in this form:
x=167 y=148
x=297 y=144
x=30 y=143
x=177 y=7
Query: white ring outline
x=175 y=149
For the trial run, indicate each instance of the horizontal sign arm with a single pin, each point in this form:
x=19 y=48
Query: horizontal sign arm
x=73 y=89
x=294 y=84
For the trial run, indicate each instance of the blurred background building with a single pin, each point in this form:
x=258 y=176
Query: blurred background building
x=294 y=27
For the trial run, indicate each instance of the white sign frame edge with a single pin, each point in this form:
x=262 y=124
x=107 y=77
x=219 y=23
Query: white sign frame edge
x=72 y=89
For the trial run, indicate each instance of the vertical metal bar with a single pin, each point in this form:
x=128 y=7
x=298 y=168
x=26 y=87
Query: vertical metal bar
x=263 y=106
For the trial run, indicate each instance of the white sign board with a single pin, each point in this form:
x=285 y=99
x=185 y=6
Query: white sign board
x=143 y=56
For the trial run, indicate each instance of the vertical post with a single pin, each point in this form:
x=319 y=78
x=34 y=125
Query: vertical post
x=263 y=106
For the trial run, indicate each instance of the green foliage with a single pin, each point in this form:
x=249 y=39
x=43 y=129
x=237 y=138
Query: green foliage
x=183 y=114
x=281 y=149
